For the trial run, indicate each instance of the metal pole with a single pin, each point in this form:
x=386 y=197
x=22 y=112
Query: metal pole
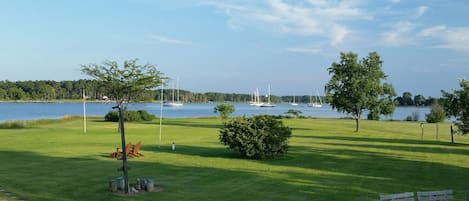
x=84 y=112
x=161 y=114
x=124 y=155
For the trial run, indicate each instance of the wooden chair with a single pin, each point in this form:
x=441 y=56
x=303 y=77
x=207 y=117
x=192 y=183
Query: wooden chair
x=119 y=154
x=407 y=196
x=136 y=150
x=443 y=195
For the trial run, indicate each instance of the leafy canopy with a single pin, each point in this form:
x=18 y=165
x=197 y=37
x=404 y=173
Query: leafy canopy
x=224 y=110
x=436 y=115
x=125 y=83
x=456 y=104
x=356 y=86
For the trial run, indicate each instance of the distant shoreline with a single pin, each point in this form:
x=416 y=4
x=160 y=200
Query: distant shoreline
x=63 y=101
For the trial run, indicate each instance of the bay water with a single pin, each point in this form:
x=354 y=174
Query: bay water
x=29 y=111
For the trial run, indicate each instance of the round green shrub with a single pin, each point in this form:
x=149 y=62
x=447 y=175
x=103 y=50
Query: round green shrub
x=112 y=116
x=256 y=137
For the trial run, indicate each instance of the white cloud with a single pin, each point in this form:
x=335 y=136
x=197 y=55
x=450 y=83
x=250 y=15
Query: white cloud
x=338 y=34
x=304 y=50
x=399 y=35
x=432 y=31
x=164 y=39
x=317 y=18
x=420 y=11
x=456 y=39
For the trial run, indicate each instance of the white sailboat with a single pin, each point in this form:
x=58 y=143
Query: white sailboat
x=317 y=101
x=268 y=104
x=294 y=103
x=256 y=99
x=174 y=103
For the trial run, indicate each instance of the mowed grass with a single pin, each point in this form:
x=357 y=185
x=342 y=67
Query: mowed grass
x=327 y=160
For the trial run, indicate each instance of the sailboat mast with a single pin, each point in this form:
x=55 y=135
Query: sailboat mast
x=269 y=95
x=177 y=85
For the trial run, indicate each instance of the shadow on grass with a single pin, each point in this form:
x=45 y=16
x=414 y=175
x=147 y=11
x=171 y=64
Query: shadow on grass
x=305 y=173
x=38 y=177
x=382 y=140
x=192 y=124
x=212 y=152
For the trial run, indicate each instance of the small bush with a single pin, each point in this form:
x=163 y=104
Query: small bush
x=131 y=115
x=408 y=118
x=112 y=116
x=224 y=110
x=256 y=137
x=436 y=115
x=13 y=125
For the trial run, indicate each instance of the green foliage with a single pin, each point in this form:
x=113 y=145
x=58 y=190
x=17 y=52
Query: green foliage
x=256 y=137
x=13 y=125
x=145 y=115
x=131 y=115
x=409 y=118
x=356 y=86
x=224 y=110
x=295 y=113
x=436 y=115
x=127 y=83
x=373 y=115
x=112 y=116
x=456 y=104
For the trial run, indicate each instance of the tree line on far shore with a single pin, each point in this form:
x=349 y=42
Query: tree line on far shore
x=49 y=90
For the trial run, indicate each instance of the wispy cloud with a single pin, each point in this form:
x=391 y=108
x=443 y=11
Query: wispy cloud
x=420 y=11
x=317 y=18
x=456 y=39
x=164 y=39
x=399 y=35
x=432 y=31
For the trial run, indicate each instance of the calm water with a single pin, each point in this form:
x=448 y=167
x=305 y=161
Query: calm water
x=27 y=111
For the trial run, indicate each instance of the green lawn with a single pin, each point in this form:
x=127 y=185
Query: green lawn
x=326 y=161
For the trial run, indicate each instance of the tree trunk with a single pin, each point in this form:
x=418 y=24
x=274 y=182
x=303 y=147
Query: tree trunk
x=357 y=123
x=124 y=154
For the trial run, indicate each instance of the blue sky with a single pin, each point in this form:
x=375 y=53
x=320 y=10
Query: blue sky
x=238 y=45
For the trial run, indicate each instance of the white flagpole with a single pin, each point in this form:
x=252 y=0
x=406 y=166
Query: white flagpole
x=161 y=113
x=84 y=112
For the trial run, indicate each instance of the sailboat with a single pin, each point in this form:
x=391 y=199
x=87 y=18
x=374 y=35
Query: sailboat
x=268 y=104
x=317 y=101
x=294 y=103
x=255 y=99
x=173 y=103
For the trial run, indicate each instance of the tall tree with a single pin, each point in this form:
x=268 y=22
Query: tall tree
x=125 y=84
x=407 y=98
x=419 y=100
x=455 y=104
x=356 y=86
